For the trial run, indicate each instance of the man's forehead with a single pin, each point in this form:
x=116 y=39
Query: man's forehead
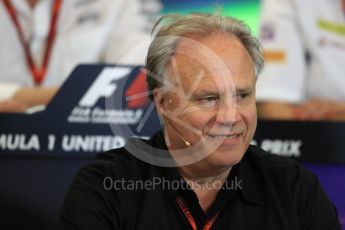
x=213 y=41
x=214 y=54
x=192 y=71
x=206 y=84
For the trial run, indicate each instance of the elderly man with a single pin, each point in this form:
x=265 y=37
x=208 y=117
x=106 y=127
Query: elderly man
x=200 y=172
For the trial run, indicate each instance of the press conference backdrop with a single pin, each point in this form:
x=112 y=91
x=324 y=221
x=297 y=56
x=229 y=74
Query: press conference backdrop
x=39 y=153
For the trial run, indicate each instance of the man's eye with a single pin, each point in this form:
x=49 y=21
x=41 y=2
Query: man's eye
x=242 y=96
x=208 y=101
x=210 y=98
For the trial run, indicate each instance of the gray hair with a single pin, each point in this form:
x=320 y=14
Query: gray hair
x=170 y=28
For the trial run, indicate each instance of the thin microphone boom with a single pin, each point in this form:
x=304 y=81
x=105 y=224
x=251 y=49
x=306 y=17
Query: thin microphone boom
x=178 y=133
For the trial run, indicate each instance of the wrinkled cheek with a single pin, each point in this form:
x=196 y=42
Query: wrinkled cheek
x=251 y=124
x=199 y=123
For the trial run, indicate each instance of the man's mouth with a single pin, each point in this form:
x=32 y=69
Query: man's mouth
x=223 y=137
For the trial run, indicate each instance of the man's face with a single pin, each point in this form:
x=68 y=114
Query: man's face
x=211 y=100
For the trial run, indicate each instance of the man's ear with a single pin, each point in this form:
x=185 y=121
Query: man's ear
x=159 y=101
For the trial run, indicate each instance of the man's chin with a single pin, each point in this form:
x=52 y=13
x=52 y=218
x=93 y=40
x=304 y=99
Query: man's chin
x=226 y=157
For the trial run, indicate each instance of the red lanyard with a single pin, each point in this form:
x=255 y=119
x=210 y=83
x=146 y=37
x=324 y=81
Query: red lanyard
x=38 y=74
x=190 y=218
x=343 y=5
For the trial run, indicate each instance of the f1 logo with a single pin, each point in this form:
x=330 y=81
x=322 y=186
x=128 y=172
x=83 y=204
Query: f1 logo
x=104 y=86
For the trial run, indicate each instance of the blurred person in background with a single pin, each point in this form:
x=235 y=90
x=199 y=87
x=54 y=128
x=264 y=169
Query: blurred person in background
x=43 y=40
x=304 y=43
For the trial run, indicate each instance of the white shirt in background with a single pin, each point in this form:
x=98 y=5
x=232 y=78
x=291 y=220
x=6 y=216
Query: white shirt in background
x=289 y=30
x=88 y=31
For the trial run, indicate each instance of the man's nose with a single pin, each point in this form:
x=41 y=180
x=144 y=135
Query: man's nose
x=227 y=113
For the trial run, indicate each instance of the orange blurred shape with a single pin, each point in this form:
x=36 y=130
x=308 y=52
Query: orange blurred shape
x=274 y=55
